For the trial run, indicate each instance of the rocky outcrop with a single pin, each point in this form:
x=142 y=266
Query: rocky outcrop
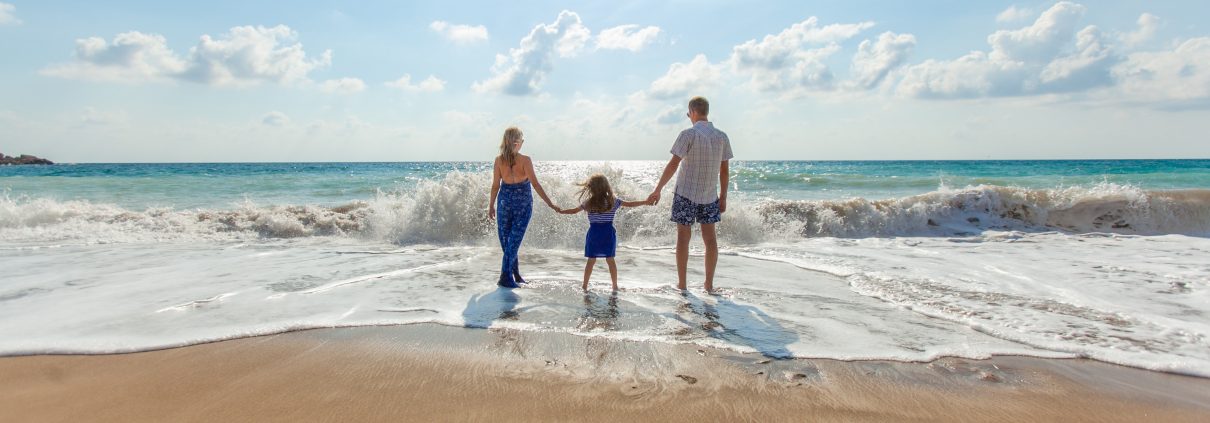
x=23 y=159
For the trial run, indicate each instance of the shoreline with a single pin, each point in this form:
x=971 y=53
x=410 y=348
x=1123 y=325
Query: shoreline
x=430 y=371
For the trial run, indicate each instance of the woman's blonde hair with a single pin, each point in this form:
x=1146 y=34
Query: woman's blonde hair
x=508 y=145
x=596 y=194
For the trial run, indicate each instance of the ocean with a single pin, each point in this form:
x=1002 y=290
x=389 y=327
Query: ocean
x=851 y=260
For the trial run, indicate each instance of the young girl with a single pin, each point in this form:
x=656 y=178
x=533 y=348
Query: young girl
x=598 y=200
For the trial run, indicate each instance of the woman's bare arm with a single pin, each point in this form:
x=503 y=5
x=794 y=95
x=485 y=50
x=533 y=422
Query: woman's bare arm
x=491 y=203
x=533 y=178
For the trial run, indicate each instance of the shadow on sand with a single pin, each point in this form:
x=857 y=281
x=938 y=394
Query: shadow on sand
x=739 y=324
x=482 y=310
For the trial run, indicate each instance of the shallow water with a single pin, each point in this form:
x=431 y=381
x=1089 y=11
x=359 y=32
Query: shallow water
x=1105 y=260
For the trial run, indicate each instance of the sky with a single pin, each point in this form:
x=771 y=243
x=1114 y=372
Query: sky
x=260 y=81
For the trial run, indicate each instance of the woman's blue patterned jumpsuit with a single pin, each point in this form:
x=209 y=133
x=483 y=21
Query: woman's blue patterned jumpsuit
x=514 y=206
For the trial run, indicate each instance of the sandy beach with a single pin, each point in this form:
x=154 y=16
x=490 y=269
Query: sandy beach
x=431 y=372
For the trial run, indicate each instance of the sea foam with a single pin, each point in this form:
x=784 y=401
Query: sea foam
x=453 y=211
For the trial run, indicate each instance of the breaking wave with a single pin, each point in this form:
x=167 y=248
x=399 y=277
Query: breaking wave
x=453 y=210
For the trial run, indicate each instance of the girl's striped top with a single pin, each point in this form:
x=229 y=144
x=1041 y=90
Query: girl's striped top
x=606 y=217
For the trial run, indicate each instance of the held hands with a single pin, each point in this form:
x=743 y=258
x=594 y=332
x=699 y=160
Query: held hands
x=654 y=198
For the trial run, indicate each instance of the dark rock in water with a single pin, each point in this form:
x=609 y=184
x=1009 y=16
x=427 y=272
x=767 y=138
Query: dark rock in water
x=932 y=223
x=23 y=159
x=972 y=220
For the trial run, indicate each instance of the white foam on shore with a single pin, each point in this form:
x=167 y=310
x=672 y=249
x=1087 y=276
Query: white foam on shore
x=1133 y=300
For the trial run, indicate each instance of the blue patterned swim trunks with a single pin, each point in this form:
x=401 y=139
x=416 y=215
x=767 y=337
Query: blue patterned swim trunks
x=686 y=212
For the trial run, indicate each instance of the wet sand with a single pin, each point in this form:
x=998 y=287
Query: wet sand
x=430 y=372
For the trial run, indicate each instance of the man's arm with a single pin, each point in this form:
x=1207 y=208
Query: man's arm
x=669 y=170
x=724 y=177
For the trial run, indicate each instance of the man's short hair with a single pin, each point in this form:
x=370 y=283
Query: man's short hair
x=700 y=105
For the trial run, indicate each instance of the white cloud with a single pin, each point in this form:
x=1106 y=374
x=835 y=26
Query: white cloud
x=1029 y=60
x=1179 y=75
x=1014 y=14
x=1088 y=67
x=684 y=78
x=462 y=34
x=246 y=55
x=874 y=60
x=8 y=15
x=1041 y=41
x=342 y=86
x=1050 y=57
x=132 y=56
x=275 y=118
x=627 y=37
x=972 y=75
x=782 y=62
x=524 y=69
x=1148 y=24
x=430 y=84
x=672 y=115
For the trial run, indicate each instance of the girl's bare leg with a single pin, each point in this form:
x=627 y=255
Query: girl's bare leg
x=613 y=272
x=588 y=271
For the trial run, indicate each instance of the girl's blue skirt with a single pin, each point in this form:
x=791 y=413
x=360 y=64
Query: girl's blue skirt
x=601 y=241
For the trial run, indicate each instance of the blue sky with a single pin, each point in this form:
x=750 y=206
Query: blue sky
x=325 y=81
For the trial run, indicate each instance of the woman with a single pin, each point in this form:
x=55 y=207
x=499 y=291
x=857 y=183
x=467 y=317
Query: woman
x=512 y=175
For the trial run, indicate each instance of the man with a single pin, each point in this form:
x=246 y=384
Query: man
x=702 y=153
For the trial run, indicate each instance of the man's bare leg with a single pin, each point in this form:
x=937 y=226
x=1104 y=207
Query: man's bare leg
x=710 y=238
x=683 y=234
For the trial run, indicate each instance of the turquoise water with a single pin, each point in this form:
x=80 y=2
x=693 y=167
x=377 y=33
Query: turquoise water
x=222 y=185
